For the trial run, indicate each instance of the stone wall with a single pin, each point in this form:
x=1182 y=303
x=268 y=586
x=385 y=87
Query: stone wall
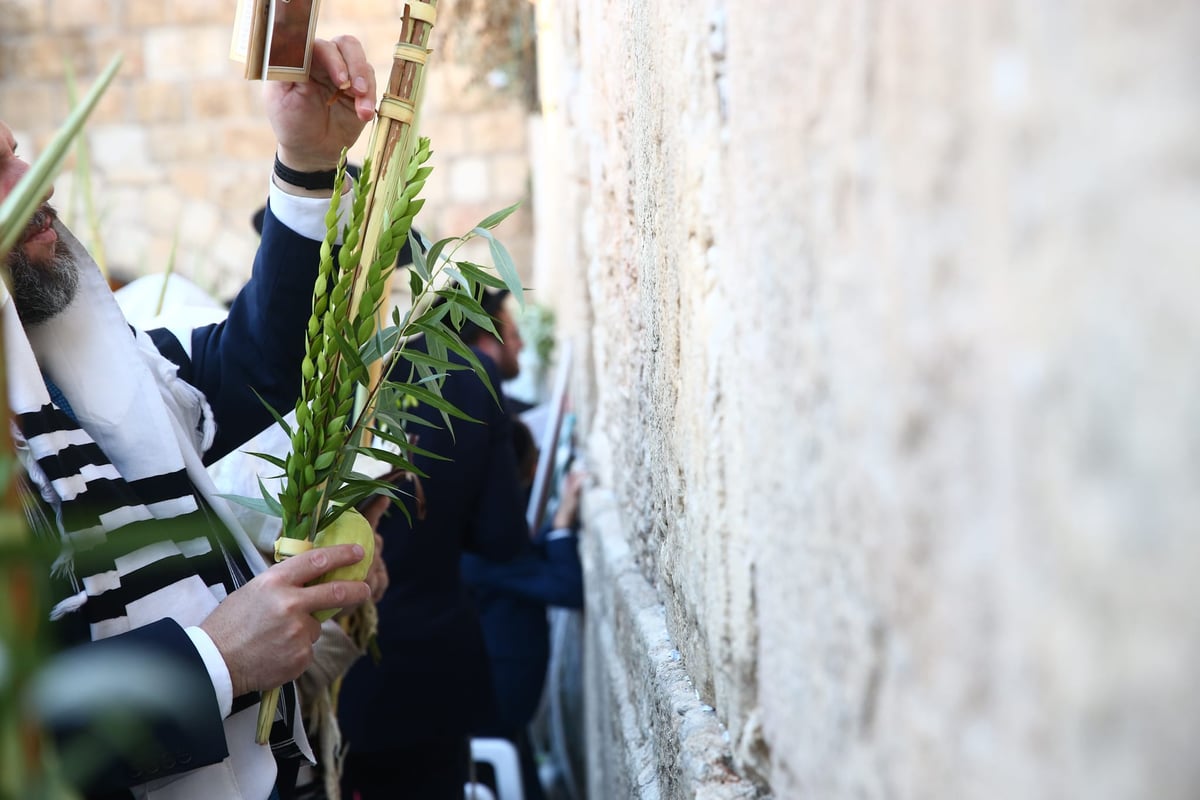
x=885 y=356
x=180 y=147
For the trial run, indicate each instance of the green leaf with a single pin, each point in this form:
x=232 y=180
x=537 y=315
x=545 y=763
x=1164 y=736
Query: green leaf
x=275 y=461
x=474 y=311
x=254 y=503
x=394 y=459
x=507 y=269
x=374 y=645
x=417 y=241
x=416 y=356
x=492 y=220
x=333 y=511
x=434 y=345
x=431 y=398
x=411 y=449
x=482 y=275
x=430 y=378
x=270 y=499
x=398 y=419
x=380 y=343
x=420 y=262
x=435 y=252
x=388 y=433
x=280 y=421
x=458 y=278
x=434 y=333
x=348 y=350
x=431 y=315
x=357 y=482
x=308 y=500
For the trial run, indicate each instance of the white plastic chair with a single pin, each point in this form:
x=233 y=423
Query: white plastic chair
x=502 y=755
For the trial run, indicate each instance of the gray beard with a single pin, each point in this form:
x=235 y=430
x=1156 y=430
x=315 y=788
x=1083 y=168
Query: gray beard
x=41 y=290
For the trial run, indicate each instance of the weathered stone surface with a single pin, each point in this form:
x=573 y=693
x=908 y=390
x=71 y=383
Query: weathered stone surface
x=146 y=13
x=22 y=16
x=668 y=742
x=886 y=353
x=79 y=14
x=159 y=101
x=188 y=53
x=221 y=100
x=102 y=46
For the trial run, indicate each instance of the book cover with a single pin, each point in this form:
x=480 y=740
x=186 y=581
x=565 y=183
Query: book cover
x=290 y=32
x=274 y=38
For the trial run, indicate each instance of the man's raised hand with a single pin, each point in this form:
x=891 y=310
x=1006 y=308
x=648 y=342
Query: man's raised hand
x=314 y=120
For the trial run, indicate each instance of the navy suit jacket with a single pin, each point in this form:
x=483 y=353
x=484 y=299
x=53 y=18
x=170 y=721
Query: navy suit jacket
x=512 y=598
x=259 y=347
x=432 y=683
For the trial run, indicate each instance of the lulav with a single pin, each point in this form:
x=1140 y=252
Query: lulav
x=324 y=437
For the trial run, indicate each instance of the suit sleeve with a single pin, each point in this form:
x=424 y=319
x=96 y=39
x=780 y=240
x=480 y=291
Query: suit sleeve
x=499 y=532
x=168 y=723
x=550 y=574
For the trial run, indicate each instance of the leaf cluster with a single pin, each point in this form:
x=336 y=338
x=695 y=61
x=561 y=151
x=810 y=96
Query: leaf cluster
x=340 y=415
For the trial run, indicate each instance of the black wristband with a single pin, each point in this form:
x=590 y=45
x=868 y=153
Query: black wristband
x=305 y=180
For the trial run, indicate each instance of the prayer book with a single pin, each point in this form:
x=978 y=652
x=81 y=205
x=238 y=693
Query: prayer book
x=274 y=38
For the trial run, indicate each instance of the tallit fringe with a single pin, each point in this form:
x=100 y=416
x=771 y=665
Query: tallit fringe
x=333 y=755
x=68 y=606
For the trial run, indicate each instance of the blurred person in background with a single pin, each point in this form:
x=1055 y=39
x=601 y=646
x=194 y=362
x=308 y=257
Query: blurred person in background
x=407 y=720
x=513 y=598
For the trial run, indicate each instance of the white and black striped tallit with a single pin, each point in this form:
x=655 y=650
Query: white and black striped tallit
x=126 y=457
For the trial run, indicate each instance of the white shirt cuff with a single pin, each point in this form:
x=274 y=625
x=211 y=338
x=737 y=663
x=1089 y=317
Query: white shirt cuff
x=218 y=673
x=559 y=533
x=306 y=215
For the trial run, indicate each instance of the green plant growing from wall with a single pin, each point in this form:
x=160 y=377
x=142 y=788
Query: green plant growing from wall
x=537 y=323
x=497 y=39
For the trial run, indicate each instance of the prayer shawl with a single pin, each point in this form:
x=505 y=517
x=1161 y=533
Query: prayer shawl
x=123 y=455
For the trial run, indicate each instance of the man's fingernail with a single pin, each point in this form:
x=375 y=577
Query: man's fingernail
x=358 y=551
x=360 y=84
x=343 y=80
